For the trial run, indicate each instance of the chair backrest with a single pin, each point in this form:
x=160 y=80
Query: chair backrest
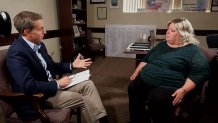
x=4 y=73
x=213 y=80
x=212 y=41
x=210 y=54
x=89 y=36
x=5 y=83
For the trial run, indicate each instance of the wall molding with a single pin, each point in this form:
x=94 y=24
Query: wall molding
x=59 y=33
x=161 y=31
x=50 y=34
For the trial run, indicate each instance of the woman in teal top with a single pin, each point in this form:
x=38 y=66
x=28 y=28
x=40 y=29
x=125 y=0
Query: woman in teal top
x=171 y=70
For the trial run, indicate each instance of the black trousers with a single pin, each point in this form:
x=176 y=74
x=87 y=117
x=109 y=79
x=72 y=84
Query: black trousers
x=146 y=103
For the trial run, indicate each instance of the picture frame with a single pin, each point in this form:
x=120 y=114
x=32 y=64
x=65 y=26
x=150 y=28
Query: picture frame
x=97 y=1
x=102 y=13
x=76 y=31
x=214 y=6
x=114 y=3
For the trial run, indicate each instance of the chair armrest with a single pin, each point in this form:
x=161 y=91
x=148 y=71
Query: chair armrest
x=36 y=98
x=18 y=97
x=12 y=97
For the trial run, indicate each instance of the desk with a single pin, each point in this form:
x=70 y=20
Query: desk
x=139 y=55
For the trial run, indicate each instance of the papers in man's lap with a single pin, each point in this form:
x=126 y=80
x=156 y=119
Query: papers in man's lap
x=78 y=77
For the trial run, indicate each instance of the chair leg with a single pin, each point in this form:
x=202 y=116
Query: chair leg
x=78 y=112
x=104 y=53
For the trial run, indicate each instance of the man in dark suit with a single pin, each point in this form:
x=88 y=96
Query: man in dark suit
x=33 y=71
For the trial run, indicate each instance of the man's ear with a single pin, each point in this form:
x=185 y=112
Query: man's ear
x=26 y=32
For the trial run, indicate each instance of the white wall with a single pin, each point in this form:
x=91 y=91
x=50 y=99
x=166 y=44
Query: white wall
x=48 y=10
x=199 y=20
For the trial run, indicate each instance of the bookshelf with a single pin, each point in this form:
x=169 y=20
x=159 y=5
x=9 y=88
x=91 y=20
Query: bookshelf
x=72 y=16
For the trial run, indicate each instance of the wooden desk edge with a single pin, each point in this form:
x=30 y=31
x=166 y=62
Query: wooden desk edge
x=136 y=52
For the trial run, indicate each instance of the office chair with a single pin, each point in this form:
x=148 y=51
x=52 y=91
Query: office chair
x=212 y=40
x=8 y=98
x=96 y=48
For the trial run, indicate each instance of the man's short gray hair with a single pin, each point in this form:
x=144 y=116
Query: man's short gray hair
x=24 y=20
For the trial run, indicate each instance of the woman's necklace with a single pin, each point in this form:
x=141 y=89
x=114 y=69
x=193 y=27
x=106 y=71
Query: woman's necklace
x=176 y=46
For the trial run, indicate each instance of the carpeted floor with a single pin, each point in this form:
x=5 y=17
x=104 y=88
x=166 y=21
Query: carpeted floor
x=111 y=77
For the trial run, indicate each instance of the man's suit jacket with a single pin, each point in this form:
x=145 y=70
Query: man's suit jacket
x=29 y=75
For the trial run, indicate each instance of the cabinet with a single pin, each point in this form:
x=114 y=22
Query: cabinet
x=72 y=16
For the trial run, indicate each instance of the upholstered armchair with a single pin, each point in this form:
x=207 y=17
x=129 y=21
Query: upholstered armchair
x=192 y=109
x=211 y=90
x=212 y=40
x=8 y=98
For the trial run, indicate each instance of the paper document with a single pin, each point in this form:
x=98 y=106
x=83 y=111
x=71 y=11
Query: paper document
x=139 y=47
x=78 y=77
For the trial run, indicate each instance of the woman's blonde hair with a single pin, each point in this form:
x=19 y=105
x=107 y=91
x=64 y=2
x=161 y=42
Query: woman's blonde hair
x=185 y=29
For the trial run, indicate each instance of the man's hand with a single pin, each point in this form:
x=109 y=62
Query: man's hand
x=81 y=63
x=63 y=82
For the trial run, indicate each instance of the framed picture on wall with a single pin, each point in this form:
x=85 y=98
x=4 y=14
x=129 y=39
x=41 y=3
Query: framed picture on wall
x=97 y=1
x=114 y=3
x=214 y=6
x=76 y=30
x=102 y=13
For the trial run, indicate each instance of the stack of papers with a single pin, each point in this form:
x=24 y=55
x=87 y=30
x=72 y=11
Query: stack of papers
x=139 y=46
x=78 y=77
